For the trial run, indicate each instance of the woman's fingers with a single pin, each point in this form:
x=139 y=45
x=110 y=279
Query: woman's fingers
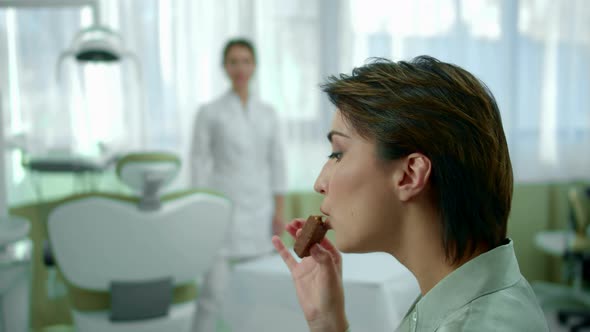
x=336 y=255
x=323 y=256
x=291 y=229
x=284 y=253
x=327 y=244
x=294 y=225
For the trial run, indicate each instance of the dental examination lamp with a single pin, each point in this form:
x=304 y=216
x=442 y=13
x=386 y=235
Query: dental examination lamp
x=97 y=44
x=101 y=44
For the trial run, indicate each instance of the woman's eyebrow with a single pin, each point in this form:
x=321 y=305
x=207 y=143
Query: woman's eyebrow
x=334 y=132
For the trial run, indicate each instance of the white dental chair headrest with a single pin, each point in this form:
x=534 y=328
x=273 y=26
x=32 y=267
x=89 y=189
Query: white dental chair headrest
x=147 y=173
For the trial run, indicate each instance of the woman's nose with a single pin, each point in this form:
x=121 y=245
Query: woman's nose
x=321 y=183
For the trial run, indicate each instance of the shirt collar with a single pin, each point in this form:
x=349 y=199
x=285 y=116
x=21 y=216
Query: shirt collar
x=235 y=99
x=489 y=272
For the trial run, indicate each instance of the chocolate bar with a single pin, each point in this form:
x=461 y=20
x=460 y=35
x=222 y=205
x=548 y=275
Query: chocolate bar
x=312 y=232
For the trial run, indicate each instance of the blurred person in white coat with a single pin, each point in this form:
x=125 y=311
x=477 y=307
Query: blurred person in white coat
x=237 y=150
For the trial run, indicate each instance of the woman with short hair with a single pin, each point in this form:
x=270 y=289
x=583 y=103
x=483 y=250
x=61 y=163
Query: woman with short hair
x=420 y=169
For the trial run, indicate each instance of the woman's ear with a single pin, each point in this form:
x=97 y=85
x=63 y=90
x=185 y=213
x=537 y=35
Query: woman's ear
x=411 y=176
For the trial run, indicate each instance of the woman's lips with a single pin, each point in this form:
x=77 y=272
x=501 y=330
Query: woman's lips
x=328 y=224
x=327 y=218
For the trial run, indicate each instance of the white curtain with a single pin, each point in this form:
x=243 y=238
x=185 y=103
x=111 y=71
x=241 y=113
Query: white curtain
x=286 y=38
x=533 y=54
x=180 y=44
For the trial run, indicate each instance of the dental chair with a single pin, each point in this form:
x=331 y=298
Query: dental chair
x=130 y=263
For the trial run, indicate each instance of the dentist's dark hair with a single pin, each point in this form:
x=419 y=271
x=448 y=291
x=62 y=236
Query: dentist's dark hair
x=242 y=42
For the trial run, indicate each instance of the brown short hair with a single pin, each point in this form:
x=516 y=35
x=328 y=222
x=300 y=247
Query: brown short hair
x=446 y=113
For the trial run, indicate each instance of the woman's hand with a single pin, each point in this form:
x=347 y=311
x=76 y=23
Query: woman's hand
x=318 y=282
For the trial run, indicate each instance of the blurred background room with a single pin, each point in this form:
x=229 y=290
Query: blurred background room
x=69 y=121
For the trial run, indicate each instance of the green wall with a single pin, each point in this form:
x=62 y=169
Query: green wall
x=531 y=213
x=537 y=207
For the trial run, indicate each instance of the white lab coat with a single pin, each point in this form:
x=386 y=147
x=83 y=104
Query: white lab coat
x=238 y=151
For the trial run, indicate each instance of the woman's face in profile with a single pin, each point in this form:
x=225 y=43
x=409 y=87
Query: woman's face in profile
x=239 y=65
x=358 y=190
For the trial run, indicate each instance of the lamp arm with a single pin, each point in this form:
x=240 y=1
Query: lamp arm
x=142 y=103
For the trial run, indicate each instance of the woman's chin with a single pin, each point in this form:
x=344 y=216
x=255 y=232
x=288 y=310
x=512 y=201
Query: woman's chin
x=240 y=83
x=346 y=247
x=353 y=247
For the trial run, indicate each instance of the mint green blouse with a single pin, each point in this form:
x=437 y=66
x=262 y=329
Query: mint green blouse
x=488 y=293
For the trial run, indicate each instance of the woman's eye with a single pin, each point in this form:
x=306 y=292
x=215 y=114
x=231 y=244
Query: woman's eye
x=335 y=155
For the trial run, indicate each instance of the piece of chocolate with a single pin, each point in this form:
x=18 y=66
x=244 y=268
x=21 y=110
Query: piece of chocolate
x=312 y=232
